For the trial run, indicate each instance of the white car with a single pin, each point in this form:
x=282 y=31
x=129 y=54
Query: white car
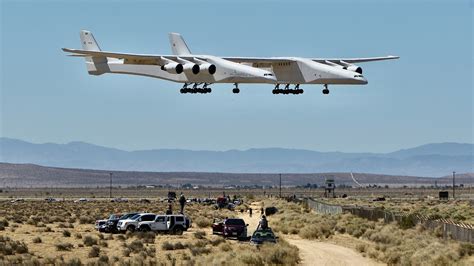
x=173 y=224
x=81 y=200
x=131 y=224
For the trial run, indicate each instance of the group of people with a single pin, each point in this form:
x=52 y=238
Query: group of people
x=182 y=203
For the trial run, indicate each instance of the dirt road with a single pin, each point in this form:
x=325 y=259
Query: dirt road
x=313 y=252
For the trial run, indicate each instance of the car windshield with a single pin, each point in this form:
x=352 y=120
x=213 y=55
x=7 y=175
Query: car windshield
x=128 y=215
x=134 y=217
x=263 y=234
x=113 y=217
x=234 y=222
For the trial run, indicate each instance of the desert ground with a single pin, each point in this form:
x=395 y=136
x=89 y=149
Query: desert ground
x=35 y=232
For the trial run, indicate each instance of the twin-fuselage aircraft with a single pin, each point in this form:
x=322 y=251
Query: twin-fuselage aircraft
x=198 y=72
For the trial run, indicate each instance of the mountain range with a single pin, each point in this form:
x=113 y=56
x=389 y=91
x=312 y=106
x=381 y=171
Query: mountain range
x=430 y=160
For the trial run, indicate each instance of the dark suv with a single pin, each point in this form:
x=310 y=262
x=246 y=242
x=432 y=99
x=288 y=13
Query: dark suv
x=231 y=228
x=111 y=225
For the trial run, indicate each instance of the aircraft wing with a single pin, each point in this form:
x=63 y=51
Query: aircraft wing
x=355 y=60
x=319 y=60
x=140 y=58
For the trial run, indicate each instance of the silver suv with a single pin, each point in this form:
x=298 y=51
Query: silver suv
x=131 y=224
x=173 y=224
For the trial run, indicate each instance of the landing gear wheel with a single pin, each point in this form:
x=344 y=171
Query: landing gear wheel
x=326 y=90
x=236 y=90
x=208 y=90
x=182 y=91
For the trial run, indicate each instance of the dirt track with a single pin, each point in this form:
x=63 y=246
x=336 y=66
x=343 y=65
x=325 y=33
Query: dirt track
x=313 y=252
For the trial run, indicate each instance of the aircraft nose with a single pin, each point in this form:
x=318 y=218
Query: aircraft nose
x=360 y=79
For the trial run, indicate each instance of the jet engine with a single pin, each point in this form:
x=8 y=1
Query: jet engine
x=173 y=68
x=354 y=68
x=211 y=68
x=191 y=67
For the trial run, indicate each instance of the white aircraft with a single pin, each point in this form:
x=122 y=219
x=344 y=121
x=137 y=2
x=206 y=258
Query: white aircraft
x=200 y=71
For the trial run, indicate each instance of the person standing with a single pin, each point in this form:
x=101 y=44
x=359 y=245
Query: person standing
x=182 y=202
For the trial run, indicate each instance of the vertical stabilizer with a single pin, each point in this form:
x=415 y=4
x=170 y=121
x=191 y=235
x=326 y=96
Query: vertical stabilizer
x=178 y=45
x=96 y=65
x=88 y=41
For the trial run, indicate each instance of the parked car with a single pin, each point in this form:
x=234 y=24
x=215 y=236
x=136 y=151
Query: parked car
x=261 y=236
x=231 y=228
x=50 y=200
x=144 y=200
x=111 y=225
x=17 y=200
x=172 y=224
x=119 y=200
x=81 y=200
x=131 y=223
x=100 y=223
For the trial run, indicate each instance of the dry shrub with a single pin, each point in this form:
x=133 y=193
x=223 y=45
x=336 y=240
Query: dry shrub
x=104 y=260
x=316 y=231
x=12 y=247
x=64 y=246
x=203 y=222
x=89 y=241
x=37 y=240
x=66 y=233
x=136 y=246
x=74 y=262
x=199 y=234
x=362 y=248
x=146 y=237
x=3 y=223
x=170 y=246
x=94 y=252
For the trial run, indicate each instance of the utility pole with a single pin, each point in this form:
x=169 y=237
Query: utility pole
x=280 y=186
x=110 y=188
x=454 y=185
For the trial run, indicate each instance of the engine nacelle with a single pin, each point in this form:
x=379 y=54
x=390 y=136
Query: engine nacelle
x=355 y=68
x=173 y=68
x=211 y=68
x=191 y=68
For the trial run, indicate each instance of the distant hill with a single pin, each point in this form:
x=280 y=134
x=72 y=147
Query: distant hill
x=430 y=160
x=29 y=175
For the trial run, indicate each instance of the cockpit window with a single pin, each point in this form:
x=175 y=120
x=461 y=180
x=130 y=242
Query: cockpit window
x=267 y=74
x=358 y=76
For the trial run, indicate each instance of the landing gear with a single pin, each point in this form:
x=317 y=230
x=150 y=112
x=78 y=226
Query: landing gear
x=287 y=89
x=325 y=90
x=236 y=89
x=195 y=88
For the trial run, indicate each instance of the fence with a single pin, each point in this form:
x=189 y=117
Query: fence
x=450 y=229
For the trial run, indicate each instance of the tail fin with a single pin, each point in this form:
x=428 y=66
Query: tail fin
x=178 y=45
x=88 y=41
x=96 y=65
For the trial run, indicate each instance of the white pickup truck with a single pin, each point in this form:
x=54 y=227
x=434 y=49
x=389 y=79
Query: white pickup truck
x=173 y=224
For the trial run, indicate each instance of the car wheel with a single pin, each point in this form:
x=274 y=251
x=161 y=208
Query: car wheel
x=145 y=228
x=131 y=228
x=178 y=231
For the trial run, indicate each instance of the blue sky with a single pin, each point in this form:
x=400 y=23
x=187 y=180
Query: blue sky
x=424 y=97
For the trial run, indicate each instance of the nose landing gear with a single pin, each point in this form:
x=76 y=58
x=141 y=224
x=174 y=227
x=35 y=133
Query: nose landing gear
x=325 y=90
x=236 y=89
